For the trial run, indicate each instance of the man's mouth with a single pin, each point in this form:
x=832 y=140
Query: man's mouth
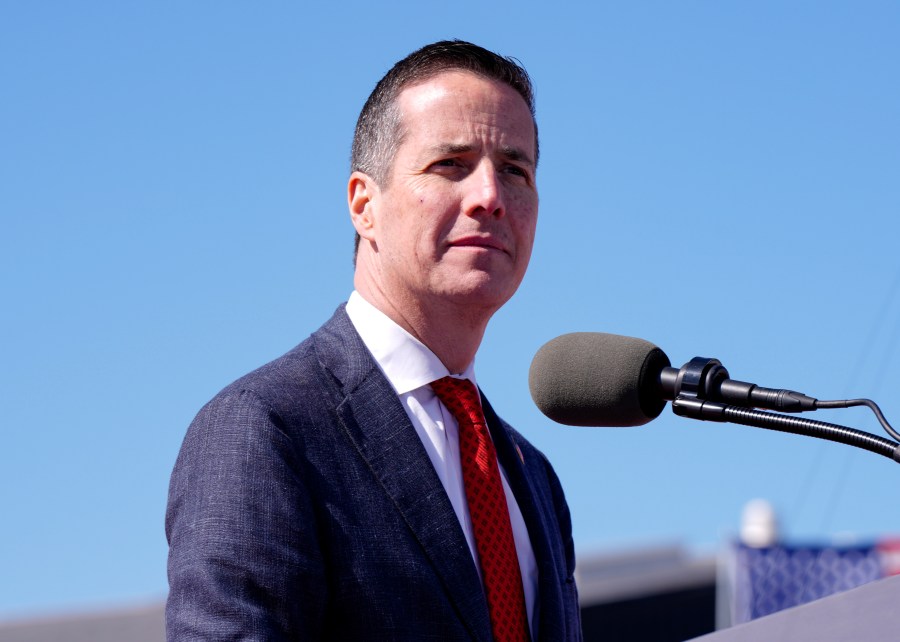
x=474 y=241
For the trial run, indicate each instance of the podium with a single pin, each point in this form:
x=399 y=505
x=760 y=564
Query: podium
x=866 y=614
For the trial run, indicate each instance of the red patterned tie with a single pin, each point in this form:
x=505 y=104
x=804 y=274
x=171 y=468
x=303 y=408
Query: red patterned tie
x=488 y=510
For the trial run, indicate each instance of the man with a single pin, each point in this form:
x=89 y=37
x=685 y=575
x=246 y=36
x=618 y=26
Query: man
x=349 y=490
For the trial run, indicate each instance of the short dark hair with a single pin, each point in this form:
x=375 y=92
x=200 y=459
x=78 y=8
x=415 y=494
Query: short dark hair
x=378 y=130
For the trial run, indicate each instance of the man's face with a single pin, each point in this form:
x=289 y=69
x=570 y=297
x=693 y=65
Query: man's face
x=456 y=221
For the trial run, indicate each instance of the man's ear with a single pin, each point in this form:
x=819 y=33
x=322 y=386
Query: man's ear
x=362 y=200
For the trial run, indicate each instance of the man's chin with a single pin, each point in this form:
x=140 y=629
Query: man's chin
x=481 y=290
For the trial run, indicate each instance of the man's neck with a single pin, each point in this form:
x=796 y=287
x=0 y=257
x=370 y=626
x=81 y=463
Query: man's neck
x=452 y=332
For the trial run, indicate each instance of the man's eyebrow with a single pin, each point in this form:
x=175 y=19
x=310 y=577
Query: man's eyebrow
x=516 y=154
x=452 y=148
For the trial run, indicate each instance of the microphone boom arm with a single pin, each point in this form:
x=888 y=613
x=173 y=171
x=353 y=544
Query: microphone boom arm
x=695 y=408
x=701 y=388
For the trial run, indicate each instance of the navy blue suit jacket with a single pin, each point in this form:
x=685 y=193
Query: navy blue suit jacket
x=304 y=506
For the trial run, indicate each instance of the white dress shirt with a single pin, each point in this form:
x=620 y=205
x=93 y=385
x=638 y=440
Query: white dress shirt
x=410 y=367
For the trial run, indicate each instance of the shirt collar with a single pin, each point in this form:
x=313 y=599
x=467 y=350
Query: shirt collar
x=406 y=362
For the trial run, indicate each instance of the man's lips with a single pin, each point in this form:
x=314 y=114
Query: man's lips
x=485 y=242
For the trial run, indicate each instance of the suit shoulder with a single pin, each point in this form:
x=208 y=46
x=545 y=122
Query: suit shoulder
x=311 y=370
x=281 y=376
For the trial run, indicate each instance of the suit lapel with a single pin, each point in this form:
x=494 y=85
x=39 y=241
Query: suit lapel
x=535 y=506
x=376 y=422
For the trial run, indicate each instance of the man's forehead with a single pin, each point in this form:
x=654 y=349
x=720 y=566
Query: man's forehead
x=465 y=93
x=462 y=81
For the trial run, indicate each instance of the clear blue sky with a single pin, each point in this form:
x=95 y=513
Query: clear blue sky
x=720 y=178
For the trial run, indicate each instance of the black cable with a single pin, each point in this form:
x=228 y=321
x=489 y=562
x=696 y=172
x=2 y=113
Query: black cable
x=847 y=403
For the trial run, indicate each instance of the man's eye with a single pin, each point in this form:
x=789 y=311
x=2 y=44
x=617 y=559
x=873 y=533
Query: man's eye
x=516 y=171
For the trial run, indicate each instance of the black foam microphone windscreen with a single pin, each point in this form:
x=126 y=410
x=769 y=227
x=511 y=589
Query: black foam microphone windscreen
x=598 y=379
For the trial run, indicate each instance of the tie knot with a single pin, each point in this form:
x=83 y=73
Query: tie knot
x=461 y=398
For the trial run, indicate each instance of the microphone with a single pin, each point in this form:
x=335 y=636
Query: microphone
x=599 y=379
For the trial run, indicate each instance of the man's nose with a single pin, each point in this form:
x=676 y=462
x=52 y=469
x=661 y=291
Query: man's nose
x=484 y=192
